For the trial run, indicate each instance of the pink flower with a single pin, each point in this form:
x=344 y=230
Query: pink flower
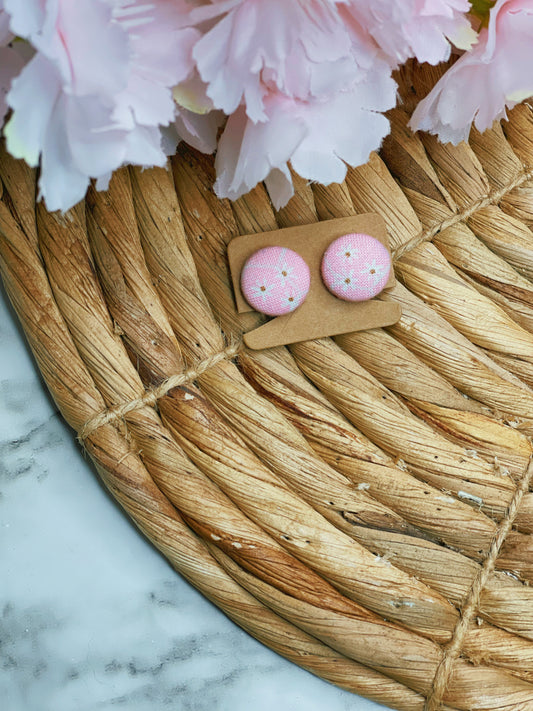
x=318 y=138
x=63 y=100
x=415 y=28
x=27 y=17
x=97 y=90
x=494 y=75
x=302 y=82
x=251 y=47
x=160 y=56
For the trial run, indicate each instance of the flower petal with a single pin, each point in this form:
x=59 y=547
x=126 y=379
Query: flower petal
x=415 y=28
x=28 y=17
x=279 y=185
x=199 y=130
x=61 y=184
x=95 y=48
x=259 y=47
x=247 y=151
x=32 y=97
x=340 y=132
x=143 y=147
x=494 y=75
x=95 y=145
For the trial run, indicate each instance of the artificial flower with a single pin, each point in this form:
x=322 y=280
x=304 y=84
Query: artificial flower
x=306 y=94
x=97 y=90
x=62 y=101
x=27 y=17
x=251 y=47
x=317 y=138
x=269 y=85
x=415 y=28
x=494 y=75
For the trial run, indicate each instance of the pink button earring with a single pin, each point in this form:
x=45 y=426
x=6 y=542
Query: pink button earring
x=275 y=280
x=356 y=267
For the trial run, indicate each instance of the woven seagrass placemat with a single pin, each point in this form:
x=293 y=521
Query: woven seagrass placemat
x=360 y=504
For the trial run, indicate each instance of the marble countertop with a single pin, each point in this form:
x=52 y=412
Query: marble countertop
x=93 y=618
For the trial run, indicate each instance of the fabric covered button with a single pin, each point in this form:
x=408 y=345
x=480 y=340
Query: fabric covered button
x=356 y=267
x=275 y=280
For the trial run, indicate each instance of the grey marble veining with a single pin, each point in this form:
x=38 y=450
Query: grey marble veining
x=91 y=616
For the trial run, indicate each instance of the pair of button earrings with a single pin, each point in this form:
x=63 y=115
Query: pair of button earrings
x=354 y=267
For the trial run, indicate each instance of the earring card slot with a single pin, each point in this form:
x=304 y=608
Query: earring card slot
x=321 y=314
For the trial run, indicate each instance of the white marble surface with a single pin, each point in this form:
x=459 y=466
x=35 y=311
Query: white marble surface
x=92 y=617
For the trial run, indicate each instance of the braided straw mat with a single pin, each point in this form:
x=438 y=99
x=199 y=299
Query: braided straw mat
x=363 y=505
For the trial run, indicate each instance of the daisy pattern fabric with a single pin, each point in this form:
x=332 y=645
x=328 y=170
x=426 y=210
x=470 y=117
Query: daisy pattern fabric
x=275 y=280
x=356 y=267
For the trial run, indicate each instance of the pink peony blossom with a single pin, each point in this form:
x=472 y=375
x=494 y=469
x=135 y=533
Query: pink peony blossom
x=415 y=28
x=302 y=83
x=63 y=100
x=252 y=47
x=299 y=84
x=318 y=138
x=494 y=75
x=97 y=90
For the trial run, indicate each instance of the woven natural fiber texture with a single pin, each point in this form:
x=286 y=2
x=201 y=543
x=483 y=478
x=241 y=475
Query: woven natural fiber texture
x=363 y=505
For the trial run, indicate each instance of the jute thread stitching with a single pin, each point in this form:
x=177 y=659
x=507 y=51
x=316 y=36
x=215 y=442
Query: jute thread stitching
x=453 y=649
x=490 y=199
x=151 y=396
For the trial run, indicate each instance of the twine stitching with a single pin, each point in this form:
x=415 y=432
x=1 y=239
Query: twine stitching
x=490 y=199
x=453 y=649
x=152 y=395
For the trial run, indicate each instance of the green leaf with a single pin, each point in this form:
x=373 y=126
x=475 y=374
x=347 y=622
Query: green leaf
x=481 y=8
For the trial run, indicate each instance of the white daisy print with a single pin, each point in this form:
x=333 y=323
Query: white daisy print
x=375 y=270
x=292 y=300
x=348 y=254
x=283 y=270
x=344 y=281
x=261 y=289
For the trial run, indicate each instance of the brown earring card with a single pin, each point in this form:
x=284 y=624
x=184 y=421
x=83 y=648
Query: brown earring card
x=321 y=314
